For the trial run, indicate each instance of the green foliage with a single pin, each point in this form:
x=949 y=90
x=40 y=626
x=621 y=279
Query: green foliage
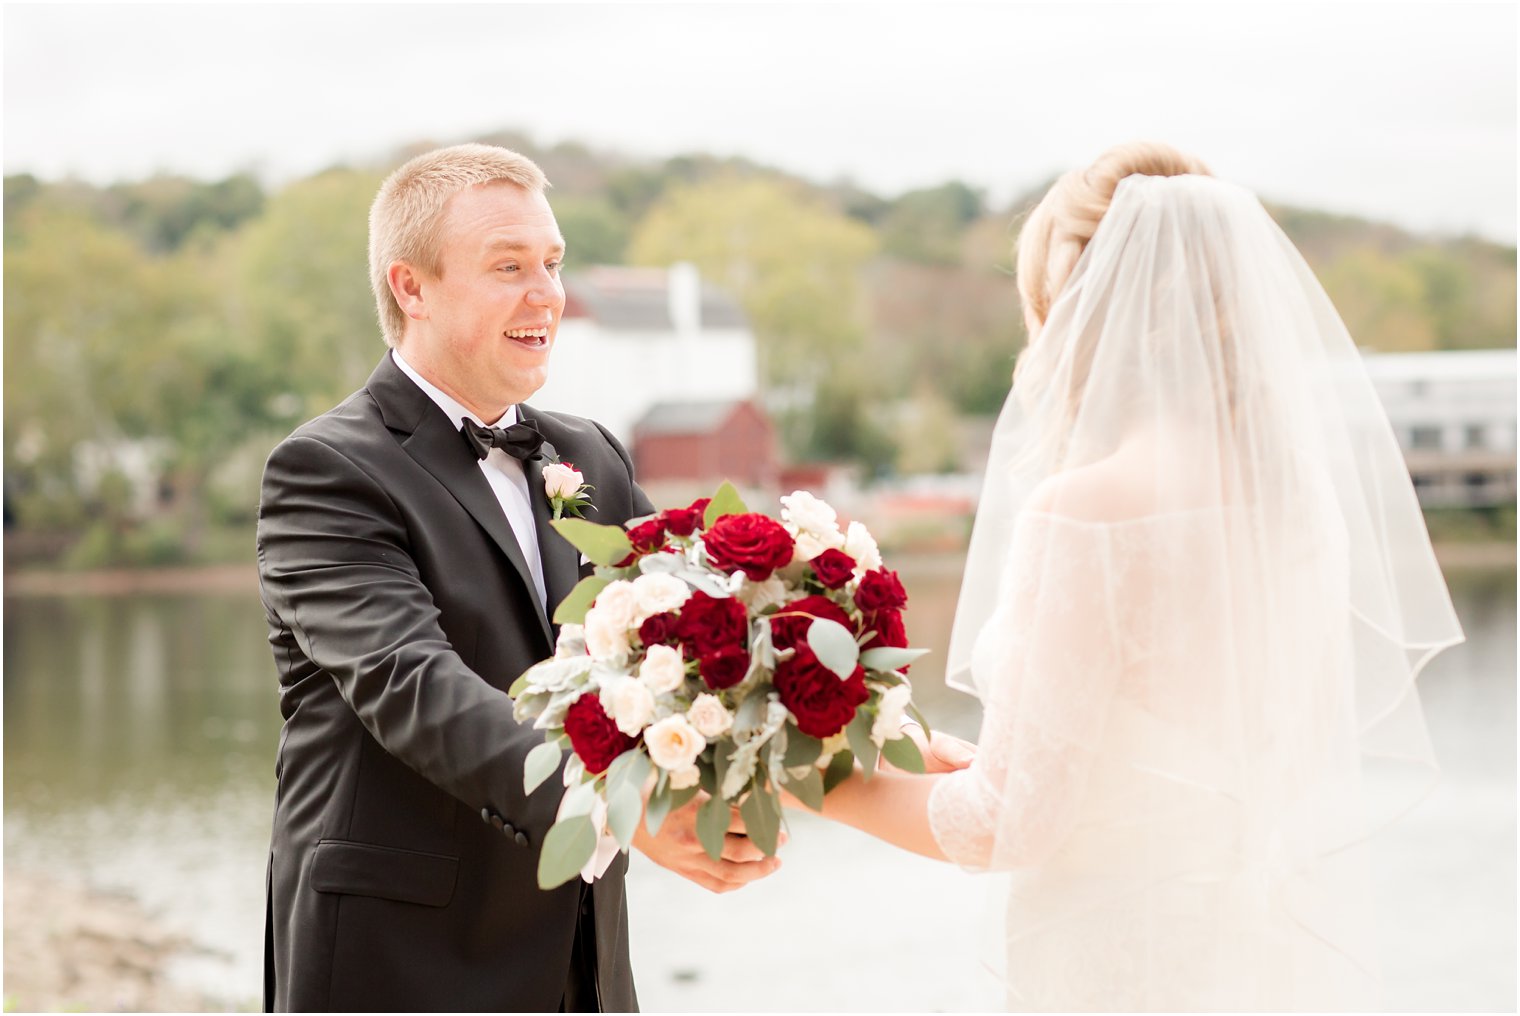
x=926 y=226
x=162 y=334
x=794 y=263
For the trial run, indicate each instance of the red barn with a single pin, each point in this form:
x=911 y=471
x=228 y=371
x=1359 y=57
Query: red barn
x=709 y=441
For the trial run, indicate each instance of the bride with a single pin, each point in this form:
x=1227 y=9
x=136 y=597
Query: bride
x=1198 y=593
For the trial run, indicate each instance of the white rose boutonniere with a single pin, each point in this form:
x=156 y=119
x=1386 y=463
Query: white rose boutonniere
x=567 y=489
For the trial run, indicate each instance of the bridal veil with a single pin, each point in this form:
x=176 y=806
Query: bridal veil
x=1198 y=594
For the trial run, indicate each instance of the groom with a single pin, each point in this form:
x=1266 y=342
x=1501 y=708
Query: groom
x=408 y=571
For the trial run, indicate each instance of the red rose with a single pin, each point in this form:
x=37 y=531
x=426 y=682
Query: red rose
x=710 y=623
x=724 y=668
x=660 y=630
x=593 y=735
x=886 y=627
x=821 y=703
x=880 y=590
x=833 y=567
x=647 y=537
x=685 y=521
x=753 y=544
x=789 y=625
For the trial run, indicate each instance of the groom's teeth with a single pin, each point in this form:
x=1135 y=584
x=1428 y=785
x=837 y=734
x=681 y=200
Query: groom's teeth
x=528 y=333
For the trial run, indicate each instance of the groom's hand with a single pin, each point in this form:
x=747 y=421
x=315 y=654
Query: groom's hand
x=678 y=849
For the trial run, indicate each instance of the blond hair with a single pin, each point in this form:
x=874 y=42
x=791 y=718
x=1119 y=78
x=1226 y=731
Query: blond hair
x=1056 y=232
x=406 y=219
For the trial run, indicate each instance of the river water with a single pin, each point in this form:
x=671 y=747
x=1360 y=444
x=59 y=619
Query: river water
x=139 y=744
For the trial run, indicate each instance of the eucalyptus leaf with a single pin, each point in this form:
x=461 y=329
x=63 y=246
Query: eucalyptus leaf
x=834 y=646
x=601 y=544
x=630 y=768
x=801 y=749
x=808 y=789
x=885 y=658
x=707 y=776
x=661 y=564
x=859 y=734
x=623 y=807
x=725 y=502
x=572 y=609
x=566 y=849
x=913 y=712
x=656 y=808
x=680 y=798
x=540 y=765
x=579 y=800
x=840 y=767
x=761 y=812
x=712 y=826
x=903 y=754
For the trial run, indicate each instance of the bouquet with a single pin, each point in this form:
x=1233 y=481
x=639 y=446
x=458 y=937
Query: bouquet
x=716 y=649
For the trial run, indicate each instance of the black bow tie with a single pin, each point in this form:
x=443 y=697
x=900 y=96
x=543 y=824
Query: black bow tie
x=521 y=440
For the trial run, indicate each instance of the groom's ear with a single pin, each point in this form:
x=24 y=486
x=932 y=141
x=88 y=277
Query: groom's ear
x=406 y=288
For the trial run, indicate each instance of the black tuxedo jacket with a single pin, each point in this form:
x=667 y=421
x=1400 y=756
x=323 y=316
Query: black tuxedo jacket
x=403 y=863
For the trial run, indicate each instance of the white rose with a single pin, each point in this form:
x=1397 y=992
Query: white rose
x=572 y=642
x=630 y=703
x=605 y=637
x=808 y=513
x=759 y=595
x=810 y=545
x=709 y=717
x=683 y=778
x=663 y=669
x=618 y=603
x=657 y=593
x=889 y=714
x=861 y=545
x=561 y=480
x=674 y=743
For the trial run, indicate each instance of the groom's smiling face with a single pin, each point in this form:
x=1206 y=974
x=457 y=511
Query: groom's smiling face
x=493 y=309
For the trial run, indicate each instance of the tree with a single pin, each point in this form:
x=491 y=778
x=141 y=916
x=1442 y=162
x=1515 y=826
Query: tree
x=302 y=304
x=793 y=263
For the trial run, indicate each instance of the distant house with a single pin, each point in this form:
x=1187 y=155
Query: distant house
x=1454 y=416
x=632 y=338
x=706 y=441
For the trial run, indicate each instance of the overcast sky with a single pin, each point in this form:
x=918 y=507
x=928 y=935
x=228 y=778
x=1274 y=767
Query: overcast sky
x=1403 y=113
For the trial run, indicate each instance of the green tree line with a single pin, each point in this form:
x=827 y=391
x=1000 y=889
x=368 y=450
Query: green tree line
x=178 y=328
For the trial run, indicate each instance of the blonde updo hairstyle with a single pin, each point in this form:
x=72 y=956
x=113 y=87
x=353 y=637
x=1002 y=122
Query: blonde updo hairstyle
x=1056 y=232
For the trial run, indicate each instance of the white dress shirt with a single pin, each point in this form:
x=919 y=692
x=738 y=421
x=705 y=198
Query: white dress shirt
x=502 y=472
x=510 y=485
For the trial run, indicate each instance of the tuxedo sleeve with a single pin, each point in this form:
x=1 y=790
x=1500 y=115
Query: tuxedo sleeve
x=335 y=565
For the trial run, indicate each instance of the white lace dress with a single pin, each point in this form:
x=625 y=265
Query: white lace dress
x=1160 y=775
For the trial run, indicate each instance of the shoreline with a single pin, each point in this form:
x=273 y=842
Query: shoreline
x=70 y=947
x=244 y=578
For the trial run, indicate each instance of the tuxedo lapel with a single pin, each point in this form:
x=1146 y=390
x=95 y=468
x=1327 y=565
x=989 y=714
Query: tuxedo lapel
x=442 y=451
x=561 y=560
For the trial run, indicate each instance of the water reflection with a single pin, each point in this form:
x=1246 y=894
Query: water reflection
x=140 y=735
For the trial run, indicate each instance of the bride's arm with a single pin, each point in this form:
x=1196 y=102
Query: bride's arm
x=891 y=806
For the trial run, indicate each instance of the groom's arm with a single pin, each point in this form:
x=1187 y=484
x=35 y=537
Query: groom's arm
x=335 y=566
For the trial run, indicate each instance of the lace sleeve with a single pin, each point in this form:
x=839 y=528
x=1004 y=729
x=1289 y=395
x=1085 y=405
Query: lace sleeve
x=1047 y=663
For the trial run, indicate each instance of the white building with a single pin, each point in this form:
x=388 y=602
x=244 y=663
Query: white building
x=634 y=337
x=1454 y=414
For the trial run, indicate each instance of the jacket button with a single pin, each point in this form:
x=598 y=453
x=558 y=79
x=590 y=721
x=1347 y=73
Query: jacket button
x=521 y=838
x=506 y=828
x=485 y=815
x=496 y=821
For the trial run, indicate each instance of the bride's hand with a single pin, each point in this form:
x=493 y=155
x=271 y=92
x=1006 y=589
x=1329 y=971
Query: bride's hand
x=942 y=753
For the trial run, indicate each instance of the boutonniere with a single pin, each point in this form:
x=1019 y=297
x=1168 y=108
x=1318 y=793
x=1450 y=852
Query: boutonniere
x=567 y=489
